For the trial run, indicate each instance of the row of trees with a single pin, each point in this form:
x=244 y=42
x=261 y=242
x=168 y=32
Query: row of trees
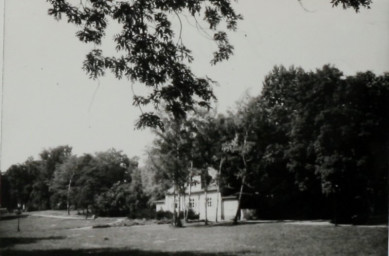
x=313 y=144
x=108 y=183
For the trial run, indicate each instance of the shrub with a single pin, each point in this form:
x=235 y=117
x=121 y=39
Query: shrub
x=249 y=214
x=146 y=213
x=192 y=215
x=163 y=215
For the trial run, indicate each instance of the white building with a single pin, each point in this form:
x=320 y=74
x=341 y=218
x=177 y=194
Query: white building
x=224 y=207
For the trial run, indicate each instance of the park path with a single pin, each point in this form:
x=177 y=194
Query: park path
x=55 y=216
x=314 y=223
x=64 y=216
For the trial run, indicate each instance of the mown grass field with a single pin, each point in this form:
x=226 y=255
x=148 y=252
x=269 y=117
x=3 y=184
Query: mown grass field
x=54 y=236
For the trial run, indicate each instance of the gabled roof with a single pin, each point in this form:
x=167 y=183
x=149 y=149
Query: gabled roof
x=194 y=190
x=196 y=187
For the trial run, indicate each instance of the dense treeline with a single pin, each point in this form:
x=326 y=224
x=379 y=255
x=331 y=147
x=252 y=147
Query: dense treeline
x=312 y=145
x=328 y=134
x=107 y=183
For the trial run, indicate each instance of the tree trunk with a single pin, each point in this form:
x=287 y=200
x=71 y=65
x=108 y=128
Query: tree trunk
x=68 y=194
x=174 y=206
x=190 y=190
x=184 y=206
x=243 y=177
x=179 y=205
x=206 y=205
x=18 y=223
x=218 y=187
x=239 y=200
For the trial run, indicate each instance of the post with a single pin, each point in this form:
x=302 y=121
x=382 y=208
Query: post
x=218 y=186
x=68 y=194
x=206 y=205
x=18 y=213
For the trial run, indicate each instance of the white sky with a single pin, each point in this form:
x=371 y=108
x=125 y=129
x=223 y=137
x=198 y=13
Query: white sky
x=49 y=101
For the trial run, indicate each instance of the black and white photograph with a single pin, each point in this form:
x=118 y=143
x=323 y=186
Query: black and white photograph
x=194 y=127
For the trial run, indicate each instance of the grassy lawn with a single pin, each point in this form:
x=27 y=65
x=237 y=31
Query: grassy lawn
x=54 y=236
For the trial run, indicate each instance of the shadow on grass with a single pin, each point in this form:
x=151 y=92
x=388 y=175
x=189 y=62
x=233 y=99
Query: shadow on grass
x=10 y=241
x=109 y=252
x=11 y=217
x=231 y=224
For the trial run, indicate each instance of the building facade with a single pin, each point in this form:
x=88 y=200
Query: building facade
x=203 y=203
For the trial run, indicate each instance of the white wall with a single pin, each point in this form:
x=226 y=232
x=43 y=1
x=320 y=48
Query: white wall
x=160 y=207
x=211 y=210
x=229 y=209
x=226 y=210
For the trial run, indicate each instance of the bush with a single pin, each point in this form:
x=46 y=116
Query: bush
x=122 y=199
x=163 y=215
x=192 y=215
x=249 y=214
x=146 y=213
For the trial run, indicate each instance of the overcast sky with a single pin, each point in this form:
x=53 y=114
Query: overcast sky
x=49 y=101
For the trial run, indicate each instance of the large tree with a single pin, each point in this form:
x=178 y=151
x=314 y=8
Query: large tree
x=329 y=126
x=150 y=49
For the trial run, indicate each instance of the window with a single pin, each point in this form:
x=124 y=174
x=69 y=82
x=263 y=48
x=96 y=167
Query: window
x=209 y=202
x=191 y=203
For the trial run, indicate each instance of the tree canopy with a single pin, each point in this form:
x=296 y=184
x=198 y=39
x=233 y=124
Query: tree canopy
x=150 y=49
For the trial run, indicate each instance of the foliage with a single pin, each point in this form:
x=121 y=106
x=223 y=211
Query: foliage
x=50 y=160
x=99 y=174
x=108 y=182
x=163 y=215
x=312 y=145
x=150 y=49
x=20 y=178
x=192 y=215
x=356 y=4
x=327 y=126
x=122 y=199
x=315 y=145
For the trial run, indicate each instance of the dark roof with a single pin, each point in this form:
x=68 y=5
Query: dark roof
x=229 y=197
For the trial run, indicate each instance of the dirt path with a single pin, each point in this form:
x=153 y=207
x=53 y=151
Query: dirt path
x=55 y=216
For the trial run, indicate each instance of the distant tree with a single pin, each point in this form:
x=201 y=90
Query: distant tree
x=5 y=196
x=151 y=51
x=21 y=178
x=124 y=198
x=49 y=160
x=109 y=167
x=63 y=181
x=99 y=173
